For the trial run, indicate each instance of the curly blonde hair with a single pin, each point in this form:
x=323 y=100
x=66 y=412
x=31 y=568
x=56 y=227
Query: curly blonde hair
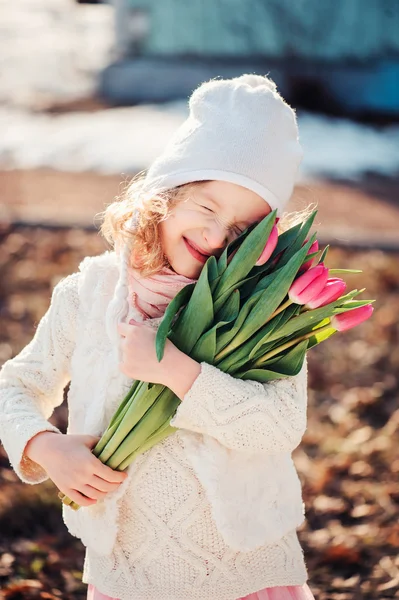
x=146 y=254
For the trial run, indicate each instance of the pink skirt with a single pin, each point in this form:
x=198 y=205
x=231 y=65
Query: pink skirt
x=286 y=592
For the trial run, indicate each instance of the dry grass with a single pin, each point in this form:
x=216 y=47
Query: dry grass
x=348 y=460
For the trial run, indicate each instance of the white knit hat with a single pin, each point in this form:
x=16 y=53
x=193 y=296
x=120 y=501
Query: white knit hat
x=239 y=130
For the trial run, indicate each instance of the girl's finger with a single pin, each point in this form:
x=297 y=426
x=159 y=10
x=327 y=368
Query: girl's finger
x=80 y=498
x=107 y=473
x=104 y=486
x=92 y=493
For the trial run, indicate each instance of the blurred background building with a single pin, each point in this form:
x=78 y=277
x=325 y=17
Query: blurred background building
x=338 y=56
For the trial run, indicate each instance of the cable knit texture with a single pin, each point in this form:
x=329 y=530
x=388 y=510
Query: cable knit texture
x=210 y=512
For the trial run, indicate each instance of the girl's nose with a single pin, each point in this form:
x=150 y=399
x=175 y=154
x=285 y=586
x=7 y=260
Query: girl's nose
x=216 y=236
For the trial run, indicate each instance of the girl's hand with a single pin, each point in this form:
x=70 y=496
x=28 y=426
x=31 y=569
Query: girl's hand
x=139 y=359
x=72 y=466
x=176 y=370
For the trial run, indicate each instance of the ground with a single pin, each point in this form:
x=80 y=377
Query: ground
x=347 y=461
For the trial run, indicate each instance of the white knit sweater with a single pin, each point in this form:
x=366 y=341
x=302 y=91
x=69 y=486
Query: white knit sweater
x=209 y=513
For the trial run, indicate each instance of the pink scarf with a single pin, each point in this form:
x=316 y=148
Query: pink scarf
x=151 y=295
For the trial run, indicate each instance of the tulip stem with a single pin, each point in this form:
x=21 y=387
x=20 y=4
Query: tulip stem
x=266 y=357
x=230 y=347
x=279 y=310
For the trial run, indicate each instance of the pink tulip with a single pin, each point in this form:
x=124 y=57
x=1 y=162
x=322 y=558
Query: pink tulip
x=313 y=248
x=269 y=248
x=309 y=285
x=333 y=289
x=351 y=318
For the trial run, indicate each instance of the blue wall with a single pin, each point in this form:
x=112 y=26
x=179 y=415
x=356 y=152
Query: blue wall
x=312 y=29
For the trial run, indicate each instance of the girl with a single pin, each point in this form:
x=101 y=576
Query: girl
x=211 y=512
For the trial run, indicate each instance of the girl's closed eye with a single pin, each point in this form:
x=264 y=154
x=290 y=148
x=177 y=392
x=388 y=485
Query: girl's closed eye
x=237 y=229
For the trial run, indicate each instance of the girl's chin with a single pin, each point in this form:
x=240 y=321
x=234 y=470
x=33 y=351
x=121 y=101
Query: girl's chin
x=183 y=267
x=187 y=271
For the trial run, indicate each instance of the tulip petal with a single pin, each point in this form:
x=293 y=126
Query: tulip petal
x=315 y=288
x=351 y=318
x=269 y=248
x=304 y=280
x=308 y=285
x=331 y=292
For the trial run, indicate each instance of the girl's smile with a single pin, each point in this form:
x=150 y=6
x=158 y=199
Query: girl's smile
x=211 y=215
x=200 y=256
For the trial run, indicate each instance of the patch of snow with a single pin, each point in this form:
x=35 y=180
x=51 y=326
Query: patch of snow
x=340 y=148
x=52 y=49
x=128 y=139
x=108 y=141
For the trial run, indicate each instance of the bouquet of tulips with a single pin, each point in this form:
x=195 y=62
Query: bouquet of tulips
x=253 y=313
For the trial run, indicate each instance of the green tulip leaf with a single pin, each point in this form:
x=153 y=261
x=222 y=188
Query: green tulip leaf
x=230 y=309
x=227 y=336
x=296 y=335
x=280 y=320
x=221 y=300
x=291 y=362
x=196 y=317
x=339 y=271
x=264 y=283
x=249 y=287
x=323 y=255
x=310 y=256
x=254 y=347
x=240 y=356
x=181 y=298
x=352 y=305
x=212 y=267
x=320 y=337
x=213 y=273
x=261 y=375
x=247 y=254
x=205 y=348
x=350 y=295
